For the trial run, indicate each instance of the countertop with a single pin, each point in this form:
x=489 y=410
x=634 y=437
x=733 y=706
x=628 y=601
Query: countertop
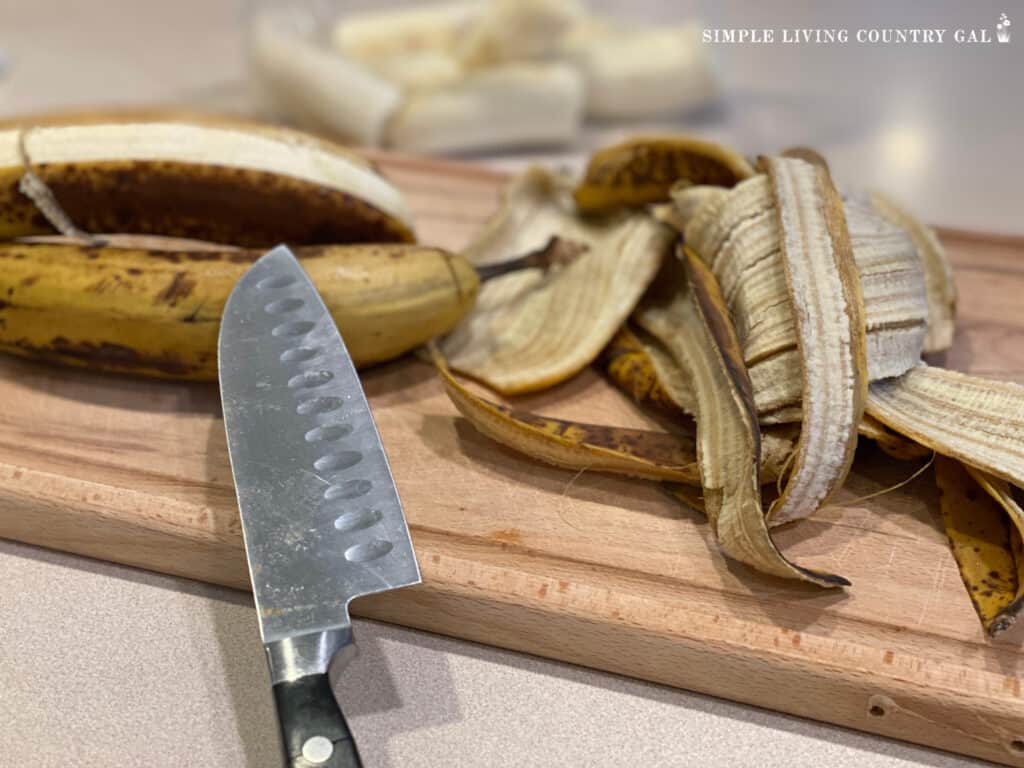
x=104 y=665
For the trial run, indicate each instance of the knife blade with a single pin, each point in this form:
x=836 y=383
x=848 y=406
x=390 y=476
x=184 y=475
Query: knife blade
x=321 y=517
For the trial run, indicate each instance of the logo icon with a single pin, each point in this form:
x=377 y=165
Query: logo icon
x=1003 y=29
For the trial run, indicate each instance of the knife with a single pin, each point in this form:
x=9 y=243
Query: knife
x=321 y=517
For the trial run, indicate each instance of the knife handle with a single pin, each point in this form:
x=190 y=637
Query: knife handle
x=313 y=729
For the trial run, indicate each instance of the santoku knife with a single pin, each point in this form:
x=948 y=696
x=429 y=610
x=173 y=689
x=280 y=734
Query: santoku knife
x=321 y=518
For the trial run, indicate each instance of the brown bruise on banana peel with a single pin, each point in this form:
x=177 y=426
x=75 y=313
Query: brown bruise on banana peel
x=638 y=453
x=109 y=357
x=157 y=313
x=824 y=288
x=729 y=440
x=629 y=366
x=643 y=170
x=985 y=541
x=222 y=204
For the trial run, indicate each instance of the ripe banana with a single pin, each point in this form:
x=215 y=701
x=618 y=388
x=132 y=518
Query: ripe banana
x=444 y=68
x=381 y=34
x=223 y=183
x=643 y=72
x=318 y=87
x=512 y=105
x=157 y=313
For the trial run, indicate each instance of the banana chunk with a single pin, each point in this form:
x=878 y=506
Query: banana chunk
x=641 y=72
x=517 y=105
x=318 y=87
x=381 y=34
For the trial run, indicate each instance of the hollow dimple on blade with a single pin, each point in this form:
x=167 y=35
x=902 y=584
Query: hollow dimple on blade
x=321 y=517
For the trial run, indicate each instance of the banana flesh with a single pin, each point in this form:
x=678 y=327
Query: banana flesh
x=322 y=90
x=450 y=62
x=636 y=73
x=381 y=34
x=514 y=105
x=157 y=312
x=220 y=183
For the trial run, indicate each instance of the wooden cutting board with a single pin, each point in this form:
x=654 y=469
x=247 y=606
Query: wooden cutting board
x=601 y=571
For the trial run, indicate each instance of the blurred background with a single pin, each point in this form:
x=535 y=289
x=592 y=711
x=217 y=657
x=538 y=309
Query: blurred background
x=936 y=125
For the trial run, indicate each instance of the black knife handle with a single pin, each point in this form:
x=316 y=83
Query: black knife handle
x=307 y=710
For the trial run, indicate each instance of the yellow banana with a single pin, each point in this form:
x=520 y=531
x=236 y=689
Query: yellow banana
x=158 y=312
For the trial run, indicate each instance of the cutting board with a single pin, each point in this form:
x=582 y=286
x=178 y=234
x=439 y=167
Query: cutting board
x=601 y=571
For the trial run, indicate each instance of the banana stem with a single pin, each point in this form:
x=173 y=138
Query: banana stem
x=557 y=251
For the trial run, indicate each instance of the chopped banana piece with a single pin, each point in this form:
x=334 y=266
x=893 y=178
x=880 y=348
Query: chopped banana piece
x=383 y=34
x=518 y=105
x=319 y=87
x=518 y=30
x=418 y=70
x=641 y=72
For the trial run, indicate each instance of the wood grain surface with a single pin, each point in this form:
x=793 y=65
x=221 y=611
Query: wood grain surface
x=601 y=571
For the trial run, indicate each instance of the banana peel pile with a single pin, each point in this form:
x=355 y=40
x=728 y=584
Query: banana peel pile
x=776 y=319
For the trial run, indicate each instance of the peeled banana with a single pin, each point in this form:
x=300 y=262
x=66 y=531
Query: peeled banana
x=230 y=184
x=513 y=105
x=319 y=88
x=157 y=312
x=646 y=72
x=449 y=76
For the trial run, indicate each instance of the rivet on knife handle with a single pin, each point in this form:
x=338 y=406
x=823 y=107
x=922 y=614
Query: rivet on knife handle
x=313 y=729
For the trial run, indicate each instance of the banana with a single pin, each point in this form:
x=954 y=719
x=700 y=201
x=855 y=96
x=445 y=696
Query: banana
x=222 y=183
x=319 y=87
x=512 y=105
x=157 y=312
x=518 y=30
x=381 y=34
x=643 y=72
x=418 y=71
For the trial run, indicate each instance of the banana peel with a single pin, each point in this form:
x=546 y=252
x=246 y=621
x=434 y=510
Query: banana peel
x=571 y=445
x=222 y=183
x=986 y=543
x=630 y=365
x=644 y=170
x=157 y=312
x=531 y=330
